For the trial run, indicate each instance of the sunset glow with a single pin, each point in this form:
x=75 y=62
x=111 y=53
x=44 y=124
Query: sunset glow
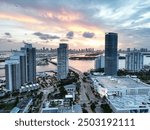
x=87 y=21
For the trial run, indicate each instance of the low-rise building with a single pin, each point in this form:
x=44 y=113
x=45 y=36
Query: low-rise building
x=120 y=86
x=22 y=107
x=30 y=87
x=71 y=90
x=123 y=94
x=61 y=106
x=129 y=104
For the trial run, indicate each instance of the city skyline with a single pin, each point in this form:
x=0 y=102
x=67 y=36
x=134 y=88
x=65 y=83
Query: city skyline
x=83 y=23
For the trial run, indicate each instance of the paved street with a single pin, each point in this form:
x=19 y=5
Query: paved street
x=83 y=97
x=45 y=94
x=86 y=90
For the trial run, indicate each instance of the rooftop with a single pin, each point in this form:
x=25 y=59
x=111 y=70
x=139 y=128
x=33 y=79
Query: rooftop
x=50 y=110
x=23 y=104
x=77 y=108
x=130 y=102
x=119 y=82
x=11 y=61
x=74 y=109
x=68 y=96
x=70 y=86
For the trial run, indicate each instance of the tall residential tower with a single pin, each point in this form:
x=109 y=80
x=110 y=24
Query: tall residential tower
x=111 y=54
x=62 y=61
x=12 y=72
x=20 y=68
x=21 y=57
x=134 y=61
x=30 y=62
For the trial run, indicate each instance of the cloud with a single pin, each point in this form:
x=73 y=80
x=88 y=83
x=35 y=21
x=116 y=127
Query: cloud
x=80 y=17
x=20 y=18
x=43 y=36
x=8 y=44
x=88 y=35
x=70 y=35
x=8 y=34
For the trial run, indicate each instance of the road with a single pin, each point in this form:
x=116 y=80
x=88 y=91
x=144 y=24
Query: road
x=45 y=91
x=83 y=97
x=85 y=90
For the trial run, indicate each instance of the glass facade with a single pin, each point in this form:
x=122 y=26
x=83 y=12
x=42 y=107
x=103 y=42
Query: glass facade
x=62 y=61
x=111 y=54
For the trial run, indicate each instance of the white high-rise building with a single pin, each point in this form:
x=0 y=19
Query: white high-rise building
x=21 y=57
x=31 y=62
x=62 y=61
x=12 y=72
x=100 y=62
x=134 y=61
x=21 y=68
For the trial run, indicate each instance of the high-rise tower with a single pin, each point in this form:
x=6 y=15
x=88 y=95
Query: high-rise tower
x=30 y=62
x=111 y=54
x=21 y=57
x=12 y=72
x=62 y=61
x=134 y=61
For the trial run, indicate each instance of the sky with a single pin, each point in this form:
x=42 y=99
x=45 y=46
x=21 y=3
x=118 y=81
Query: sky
x=81 y=23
